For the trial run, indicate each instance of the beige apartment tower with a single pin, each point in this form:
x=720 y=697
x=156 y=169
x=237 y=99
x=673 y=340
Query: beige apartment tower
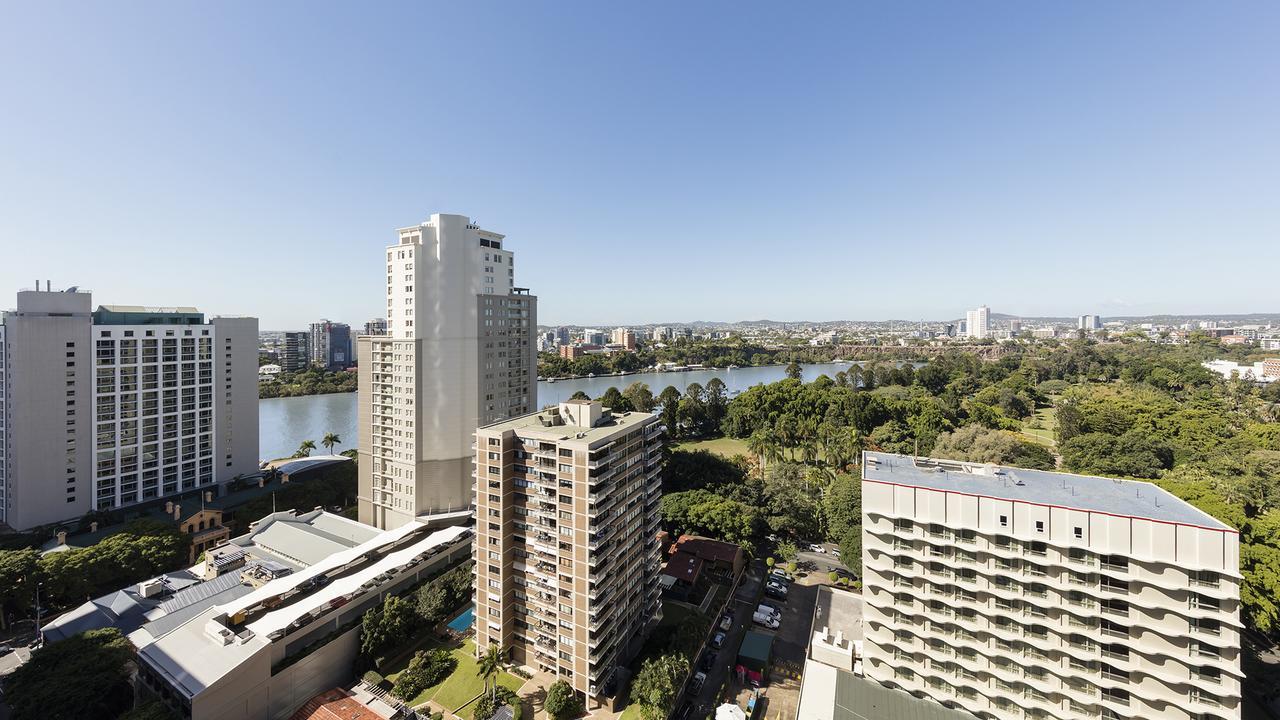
x=1015 y=593
x=566 y=539
x=457 y=354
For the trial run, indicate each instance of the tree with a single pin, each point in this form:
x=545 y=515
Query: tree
x=490 y=664
x=562 y=702
x=330 y=439
x=975 y=443
x=640 y=397
x=489 y=703
x=84 y=677
x=579 y=395
x=381 y=628
x=1134 y=454
x=654 y=687
x=614 y=400
x=304 y=450
x=427 y=668
x=669 y=399
x=154 y=710
x=794 y=371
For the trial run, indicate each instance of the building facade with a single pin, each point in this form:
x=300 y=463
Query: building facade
x=459 y=353
x=567 y=558
x=1016 y=593
x=121 y=405
x=297 y=352
x=330 y=344
x=978 y=323
x=376 y=326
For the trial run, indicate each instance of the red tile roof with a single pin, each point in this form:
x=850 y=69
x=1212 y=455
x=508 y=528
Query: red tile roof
x=335 y=705
x=707 y=549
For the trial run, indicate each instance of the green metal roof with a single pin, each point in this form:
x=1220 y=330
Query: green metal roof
x=756 y=647
x=858 y=698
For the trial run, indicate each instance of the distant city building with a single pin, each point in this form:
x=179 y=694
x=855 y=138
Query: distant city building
x=297 y=351
x=546 y=342
x=460 y=354
x=623 y=337
x=567 y=506
x=376 y=326
x=594 y=337
x=1024 y=593
x=660 y=333
x=978 y=323
x=1045 y=333
x=1264 y=371
x=563 y=335
x=270 y=371
x=1234 y=340
x=1089 y=323
x=107 y=408
x=1015 y=327
x=330 y=344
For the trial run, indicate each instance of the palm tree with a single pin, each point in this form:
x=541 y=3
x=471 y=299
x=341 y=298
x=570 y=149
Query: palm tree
x=330 y=439
x=760 y=444
x=304 y=450
x=489 y=665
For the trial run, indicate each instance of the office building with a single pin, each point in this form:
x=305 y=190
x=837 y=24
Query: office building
x=1023 y=593
x=330 y=345
x=297 y=352
x=624 y=337
x=1089 y=323
x=563 y=335
x=459 y=353
x=547 y=342
x=1015 y=327
x=567 y=515
x=978 y=323
x=120 y=405
x=376 y=326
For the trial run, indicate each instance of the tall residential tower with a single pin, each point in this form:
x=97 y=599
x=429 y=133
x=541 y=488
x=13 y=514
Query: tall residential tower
x=458 y=354
x=567 y=515
x=120 y=405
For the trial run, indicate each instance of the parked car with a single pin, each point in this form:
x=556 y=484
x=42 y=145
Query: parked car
x=726 y=623
x=695 y=686
x=817 y=548
x=835 y=554
x=717 y=640
x=768 y=609
x=5 y=650
x=708 y=660
x=778 y=593
x=767 y=620
x=779 y=574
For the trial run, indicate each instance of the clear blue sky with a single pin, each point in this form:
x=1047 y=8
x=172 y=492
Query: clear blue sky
x=688 y=161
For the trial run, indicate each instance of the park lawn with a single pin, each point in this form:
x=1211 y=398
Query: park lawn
x=631 y=713
x=725 y=447
x=463 y=683
x=1047 y=432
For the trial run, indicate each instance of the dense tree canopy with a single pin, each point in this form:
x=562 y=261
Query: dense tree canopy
x=83 y=677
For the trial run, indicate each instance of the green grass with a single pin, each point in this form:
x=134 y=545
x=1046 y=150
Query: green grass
x=1047 y=418
x=631 y=713
x=726 y=447
x=463 y=683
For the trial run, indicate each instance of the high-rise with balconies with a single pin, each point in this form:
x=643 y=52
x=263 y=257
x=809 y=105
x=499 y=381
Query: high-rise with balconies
x=1017 y=593
x=121 y=405
x=458 y=353
x=567 y=515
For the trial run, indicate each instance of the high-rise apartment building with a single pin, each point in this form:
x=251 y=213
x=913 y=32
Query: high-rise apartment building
x=459 y=353
x=1016 y=593
x=567 y=515
x=978 y=323
x=1089 y=322
x=296 y=354
x=330 y=344
x=624 y=337
x=120 y=405
x=564 y=336
x=376 y=326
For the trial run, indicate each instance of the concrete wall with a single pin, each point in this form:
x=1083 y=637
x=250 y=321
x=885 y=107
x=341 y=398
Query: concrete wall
x=235 y=417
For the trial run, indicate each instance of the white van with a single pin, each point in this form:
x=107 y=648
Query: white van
x=767 y=620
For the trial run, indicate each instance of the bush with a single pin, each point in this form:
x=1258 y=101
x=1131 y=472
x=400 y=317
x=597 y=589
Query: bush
x=427 y=668
x=486 y=707
x=562 y=702
x=373 y=677
x=770 y=562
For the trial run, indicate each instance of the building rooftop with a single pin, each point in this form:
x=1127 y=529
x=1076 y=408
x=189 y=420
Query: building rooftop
x=833 y=694
x=1126 y=498
x=708 y=549
x=838 y=611
x=547 y=425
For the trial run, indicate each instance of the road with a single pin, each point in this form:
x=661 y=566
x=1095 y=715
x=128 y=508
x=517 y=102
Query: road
x=743 y=605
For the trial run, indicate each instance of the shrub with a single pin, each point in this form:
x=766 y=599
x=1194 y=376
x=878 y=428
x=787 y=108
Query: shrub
x=486 y=706
x=562 y=702
x=427 y=668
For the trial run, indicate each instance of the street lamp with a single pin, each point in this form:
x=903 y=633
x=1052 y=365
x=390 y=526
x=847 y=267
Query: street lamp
x=39 y=637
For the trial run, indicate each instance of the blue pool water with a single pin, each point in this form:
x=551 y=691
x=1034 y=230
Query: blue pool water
x=462 y=623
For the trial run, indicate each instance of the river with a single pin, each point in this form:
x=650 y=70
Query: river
x=283 y=423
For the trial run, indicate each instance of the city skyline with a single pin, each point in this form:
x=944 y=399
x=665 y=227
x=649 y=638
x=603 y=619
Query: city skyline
x=1080 y=159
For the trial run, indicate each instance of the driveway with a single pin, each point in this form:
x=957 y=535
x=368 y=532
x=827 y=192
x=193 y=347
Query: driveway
x=744 y=603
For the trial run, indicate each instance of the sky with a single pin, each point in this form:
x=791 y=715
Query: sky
x=650 y=162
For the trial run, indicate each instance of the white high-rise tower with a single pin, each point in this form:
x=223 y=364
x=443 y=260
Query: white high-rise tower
x=978 y=323
x=458 y=354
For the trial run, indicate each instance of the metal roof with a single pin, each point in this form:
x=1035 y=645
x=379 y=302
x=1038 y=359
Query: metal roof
x=858 y=698
x=1128 y=498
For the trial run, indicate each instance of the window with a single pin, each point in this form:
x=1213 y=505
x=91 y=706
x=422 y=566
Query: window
x=1039 y=526
x=1004 y=521
x=1079 y=532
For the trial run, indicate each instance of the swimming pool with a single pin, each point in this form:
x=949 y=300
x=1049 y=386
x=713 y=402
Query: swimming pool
x=463 y=621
